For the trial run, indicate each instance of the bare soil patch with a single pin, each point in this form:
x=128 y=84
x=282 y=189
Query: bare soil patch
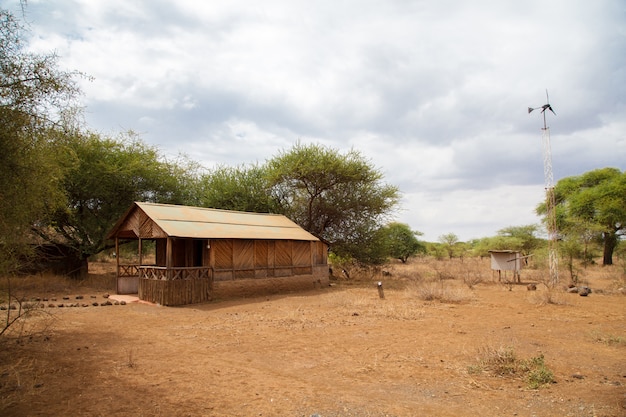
x=338 y=351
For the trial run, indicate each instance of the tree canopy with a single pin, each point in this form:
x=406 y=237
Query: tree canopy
x=102 y=178
x=340 y=198
x=35 y=97
x=402 y=242
x=520 y=238
x=242 y=188
x=449 y=242
x=593 y=203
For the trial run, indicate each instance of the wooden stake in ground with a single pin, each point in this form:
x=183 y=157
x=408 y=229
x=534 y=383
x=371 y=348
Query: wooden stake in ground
x=381 y=293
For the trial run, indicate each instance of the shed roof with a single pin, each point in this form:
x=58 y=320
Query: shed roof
x=151 y=220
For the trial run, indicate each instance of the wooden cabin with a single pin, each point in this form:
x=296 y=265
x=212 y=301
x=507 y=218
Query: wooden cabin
x=195 y=247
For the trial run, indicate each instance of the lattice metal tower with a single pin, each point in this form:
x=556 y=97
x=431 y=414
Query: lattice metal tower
x=553 y=258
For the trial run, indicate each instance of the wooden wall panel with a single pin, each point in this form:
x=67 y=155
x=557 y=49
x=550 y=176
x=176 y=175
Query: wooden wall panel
x=145 y=229
x=141 y=226
x=223 y=252
x=320 y=253
x=301 y=253
x=260 y=253
x=271 y=254
x=243 y=254
x=282 y=253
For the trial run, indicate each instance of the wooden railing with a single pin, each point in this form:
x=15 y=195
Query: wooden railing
x=127 y=270
x=175 y=273
x=203 y=272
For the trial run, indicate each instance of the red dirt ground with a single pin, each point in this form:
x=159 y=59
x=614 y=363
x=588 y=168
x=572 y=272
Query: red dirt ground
x=339 y=351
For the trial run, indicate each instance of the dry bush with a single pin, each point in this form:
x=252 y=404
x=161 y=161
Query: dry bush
x=21 y=376
x=533 y=275
x=438 y=291
x=18 y=315
x=422 y=269
x=500 y=361
x=550 y=296
x=471 y=279
x=412 y=270
x=503 y=362
x=612 y=277
x=460 y=269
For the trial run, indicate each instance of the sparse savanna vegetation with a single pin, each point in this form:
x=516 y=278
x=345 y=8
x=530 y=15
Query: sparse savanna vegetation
x=433 y=345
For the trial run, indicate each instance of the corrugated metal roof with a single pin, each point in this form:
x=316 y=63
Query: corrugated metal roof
x=206 y=223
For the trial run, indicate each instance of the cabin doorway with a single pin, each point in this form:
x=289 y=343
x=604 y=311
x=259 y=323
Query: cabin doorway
x=198 y=252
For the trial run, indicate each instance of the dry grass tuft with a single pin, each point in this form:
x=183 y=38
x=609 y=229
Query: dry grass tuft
x=130 y=359
x=16 y=380
x=438 y=291
x=500 y=361
x=609 y=339
x=550 y=296
x=503 y=362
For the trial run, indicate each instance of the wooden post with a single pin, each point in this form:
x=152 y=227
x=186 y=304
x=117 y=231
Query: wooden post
x=168 y=258
x=140 y=252
x=381 y=293
x=117 y=264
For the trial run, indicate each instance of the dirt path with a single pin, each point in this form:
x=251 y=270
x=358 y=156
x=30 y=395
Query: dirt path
x=331 y=352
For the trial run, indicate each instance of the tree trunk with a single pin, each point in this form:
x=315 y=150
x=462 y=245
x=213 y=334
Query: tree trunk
x=610 y=242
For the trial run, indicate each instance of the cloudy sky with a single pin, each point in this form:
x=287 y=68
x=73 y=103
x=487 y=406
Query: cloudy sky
x=433 y=93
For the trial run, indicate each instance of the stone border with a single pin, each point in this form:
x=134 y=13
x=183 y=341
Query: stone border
x=54 y=302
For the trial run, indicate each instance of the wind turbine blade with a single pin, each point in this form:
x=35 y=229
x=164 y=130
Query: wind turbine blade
x=530 y=109
x=547 y=97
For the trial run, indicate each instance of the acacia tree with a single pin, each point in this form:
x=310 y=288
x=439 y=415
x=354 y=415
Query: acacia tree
x=521 y=238
x=402 y=241
x=449 y=242
x=34 y=96
x=340 y=198
x=242 y=188
x=102 y=178
x=593 y=203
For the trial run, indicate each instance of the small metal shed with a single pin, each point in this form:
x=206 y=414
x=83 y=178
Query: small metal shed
x=506 y=260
